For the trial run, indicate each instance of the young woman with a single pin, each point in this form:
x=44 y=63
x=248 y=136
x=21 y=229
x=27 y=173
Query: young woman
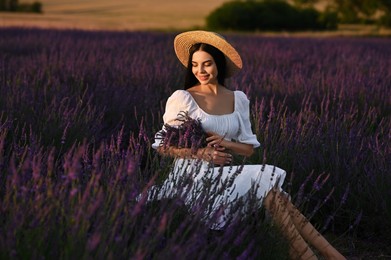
x=224 y=115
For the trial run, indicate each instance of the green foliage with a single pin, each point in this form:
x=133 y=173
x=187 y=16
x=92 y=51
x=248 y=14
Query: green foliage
x=234 y=15
x=385 y=20
x=385 y=6
x=329 y=20
x=268 y=15
x=304 y=2
x=347 y=11
x=8 y=5
x=356 y=11
x=35 y=7
x=15 y=6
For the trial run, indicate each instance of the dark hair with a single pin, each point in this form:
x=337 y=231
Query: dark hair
x=218 y=57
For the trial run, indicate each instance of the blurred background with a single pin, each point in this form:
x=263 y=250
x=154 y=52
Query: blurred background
x=115 y=14
x=365 y=17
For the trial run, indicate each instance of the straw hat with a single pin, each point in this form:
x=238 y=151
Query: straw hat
x=184 y=41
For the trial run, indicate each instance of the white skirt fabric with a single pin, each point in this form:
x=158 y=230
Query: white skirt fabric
x=197 y=183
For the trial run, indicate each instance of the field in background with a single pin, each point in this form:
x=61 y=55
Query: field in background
x=116 y=14
x=145 y=15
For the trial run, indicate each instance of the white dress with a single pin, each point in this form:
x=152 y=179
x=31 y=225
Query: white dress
x=226 y=184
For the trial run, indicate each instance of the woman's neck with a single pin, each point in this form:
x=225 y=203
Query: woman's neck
x=210 y=88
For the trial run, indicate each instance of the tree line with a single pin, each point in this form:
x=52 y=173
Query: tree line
x=297 y=15
x=356 y=11
x=15 y=6
x=269 y=15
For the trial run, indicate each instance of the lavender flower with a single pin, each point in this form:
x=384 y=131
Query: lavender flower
x=74 y=148
x=189 y=134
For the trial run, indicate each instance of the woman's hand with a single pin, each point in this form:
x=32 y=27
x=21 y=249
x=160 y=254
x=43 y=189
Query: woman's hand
x=218 y=141
x=215 y=155
x=215 y=140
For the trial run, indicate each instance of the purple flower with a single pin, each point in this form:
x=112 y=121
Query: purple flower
x=345 y=195
x=318 y=184
x=93 y=241
x=189 y=134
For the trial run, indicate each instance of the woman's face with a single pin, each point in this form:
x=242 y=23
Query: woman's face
x=204 y=68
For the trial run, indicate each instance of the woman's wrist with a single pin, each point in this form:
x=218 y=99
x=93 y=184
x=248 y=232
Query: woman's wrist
x=200 y=153
x=205 y=153
x=175 y=152
x=187 y=153
x=227 y=144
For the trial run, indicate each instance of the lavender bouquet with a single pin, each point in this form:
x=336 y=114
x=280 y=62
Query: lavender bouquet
x=189 y=134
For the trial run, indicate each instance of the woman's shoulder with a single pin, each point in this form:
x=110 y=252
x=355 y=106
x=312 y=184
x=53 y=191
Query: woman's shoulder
x=241 y=95
x=241 y=100
x=180 y=97
x=179 y=93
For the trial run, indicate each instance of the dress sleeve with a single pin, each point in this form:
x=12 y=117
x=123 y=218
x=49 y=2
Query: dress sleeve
x=245 y=135
x=178 y=102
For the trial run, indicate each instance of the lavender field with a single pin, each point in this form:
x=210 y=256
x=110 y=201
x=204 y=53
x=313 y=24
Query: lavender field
x=78 y=111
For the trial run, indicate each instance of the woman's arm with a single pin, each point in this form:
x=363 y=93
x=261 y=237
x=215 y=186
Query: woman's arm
x=215 y=140
x=210 y=154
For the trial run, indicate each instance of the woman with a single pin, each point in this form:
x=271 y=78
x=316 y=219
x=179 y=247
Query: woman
x=224 y=115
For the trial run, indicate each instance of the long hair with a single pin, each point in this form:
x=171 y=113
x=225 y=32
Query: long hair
x=218 y=57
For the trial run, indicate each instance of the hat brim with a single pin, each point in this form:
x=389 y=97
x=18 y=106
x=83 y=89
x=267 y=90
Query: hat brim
x=184 y=41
